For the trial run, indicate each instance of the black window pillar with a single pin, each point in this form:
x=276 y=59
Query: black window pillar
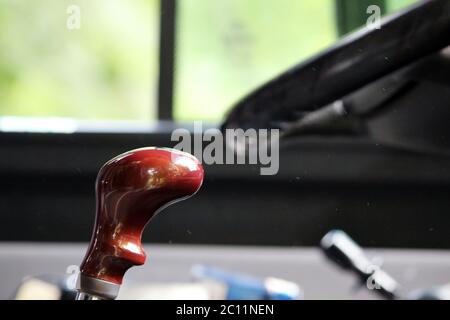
x=166 y=59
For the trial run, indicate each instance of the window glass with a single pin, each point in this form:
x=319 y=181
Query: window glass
x=106 y=69
x=394 y=5
x=226 y=48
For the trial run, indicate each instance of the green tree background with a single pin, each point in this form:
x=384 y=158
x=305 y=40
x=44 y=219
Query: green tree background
x=104 y=70
x=109 y=68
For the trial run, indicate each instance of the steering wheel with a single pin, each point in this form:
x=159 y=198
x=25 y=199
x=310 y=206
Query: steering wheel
x=356 y=77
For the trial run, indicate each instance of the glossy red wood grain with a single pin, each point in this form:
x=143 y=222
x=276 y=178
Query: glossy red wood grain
x=130 y=190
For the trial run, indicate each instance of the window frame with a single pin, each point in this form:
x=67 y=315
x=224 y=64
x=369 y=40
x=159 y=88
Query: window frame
x=166 y=77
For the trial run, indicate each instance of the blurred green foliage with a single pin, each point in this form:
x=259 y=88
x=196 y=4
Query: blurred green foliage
x=227 y=48
x=394 y=5
x=107 y=69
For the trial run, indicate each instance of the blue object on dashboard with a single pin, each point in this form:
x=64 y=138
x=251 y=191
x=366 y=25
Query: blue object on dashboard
x=245 y=287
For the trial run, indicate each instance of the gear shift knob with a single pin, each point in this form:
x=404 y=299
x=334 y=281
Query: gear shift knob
x=130 y=189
